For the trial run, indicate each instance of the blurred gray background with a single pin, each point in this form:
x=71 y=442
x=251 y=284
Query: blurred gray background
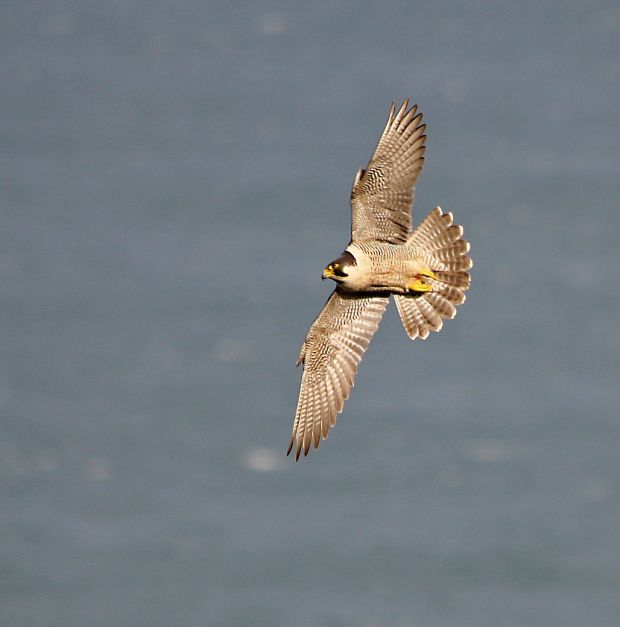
x=174 y=177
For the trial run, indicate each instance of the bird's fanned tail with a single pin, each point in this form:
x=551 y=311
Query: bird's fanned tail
x=443 y=243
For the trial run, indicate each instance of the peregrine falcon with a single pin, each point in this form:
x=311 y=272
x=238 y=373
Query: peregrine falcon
x=426 y=270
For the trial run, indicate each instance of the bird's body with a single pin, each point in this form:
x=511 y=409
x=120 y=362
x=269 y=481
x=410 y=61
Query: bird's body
x=425 y=270
x=382 y=267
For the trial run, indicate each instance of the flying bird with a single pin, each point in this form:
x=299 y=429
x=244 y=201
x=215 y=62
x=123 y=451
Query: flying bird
x=426 y=270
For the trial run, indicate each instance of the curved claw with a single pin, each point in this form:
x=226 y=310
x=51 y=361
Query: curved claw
x=419 y=286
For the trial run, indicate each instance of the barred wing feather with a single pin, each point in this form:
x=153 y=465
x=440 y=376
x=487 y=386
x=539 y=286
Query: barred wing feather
x=331 y=353
x=383 y=193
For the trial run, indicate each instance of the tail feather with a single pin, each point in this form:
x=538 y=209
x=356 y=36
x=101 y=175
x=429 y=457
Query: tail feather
x=436 y=231
x=443 y=243
x=453 y=251
x=442 y=305
x=412 y=318
x=459 y=280
x=457 y=265
x=452 y=294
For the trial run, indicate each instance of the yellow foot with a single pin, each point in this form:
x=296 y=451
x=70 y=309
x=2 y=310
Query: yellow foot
x=427 y=272
x=419 y=285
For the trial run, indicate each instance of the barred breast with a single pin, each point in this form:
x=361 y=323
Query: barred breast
x=382 y=266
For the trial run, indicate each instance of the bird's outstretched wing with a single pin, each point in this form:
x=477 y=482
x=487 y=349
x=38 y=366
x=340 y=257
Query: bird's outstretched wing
x=331 y=352
x=382 y=194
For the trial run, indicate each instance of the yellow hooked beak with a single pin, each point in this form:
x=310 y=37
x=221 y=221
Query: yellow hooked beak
x=328 y=273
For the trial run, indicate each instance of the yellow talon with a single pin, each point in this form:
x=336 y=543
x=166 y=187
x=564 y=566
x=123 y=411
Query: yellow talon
x=419 y=286
x=427 y=272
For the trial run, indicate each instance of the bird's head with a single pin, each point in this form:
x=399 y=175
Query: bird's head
x=339 y=269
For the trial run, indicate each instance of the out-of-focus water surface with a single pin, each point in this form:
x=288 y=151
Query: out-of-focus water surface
x=174 y=176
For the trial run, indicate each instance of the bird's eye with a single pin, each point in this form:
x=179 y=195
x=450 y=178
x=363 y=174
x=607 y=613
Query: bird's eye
x=339 y=271
x=336 y=266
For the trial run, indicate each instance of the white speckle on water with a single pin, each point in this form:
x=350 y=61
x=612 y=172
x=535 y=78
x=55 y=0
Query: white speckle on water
x=486 y=450
x=594 y=490
x=455 y=89
x=230 y=351
x=271 y=24
x=262 y=459
x=98 y=469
